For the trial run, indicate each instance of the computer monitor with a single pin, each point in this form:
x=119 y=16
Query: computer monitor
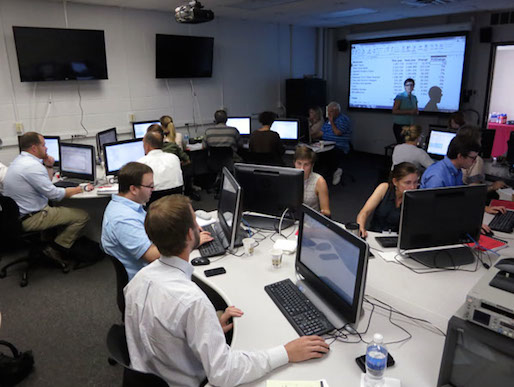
x=139 y=128
x=242 y=124
x=333 y=263
x=269 y=190
x=229 y=207
x=117 y=154
x=105 y=137
x=78 y=161
x=434 y=218
x=287 y=129
x=53 y=144
x=438 y=142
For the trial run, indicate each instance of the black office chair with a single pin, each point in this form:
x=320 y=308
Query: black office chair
x=121 y=281
x=217 y=158
x=12 y=231
x=165 y=192
x=118 y=350
x=264 y=159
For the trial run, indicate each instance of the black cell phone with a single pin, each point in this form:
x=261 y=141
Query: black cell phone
x=361 y=362
x=217 y=271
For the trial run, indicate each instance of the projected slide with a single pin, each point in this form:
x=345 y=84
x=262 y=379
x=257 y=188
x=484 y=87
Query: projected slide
x=378 y=70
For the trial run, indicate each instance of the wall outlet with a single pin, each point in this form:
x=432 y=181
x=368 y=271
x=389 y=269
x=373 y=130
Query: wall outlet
x=132 y=117
x=19 y=127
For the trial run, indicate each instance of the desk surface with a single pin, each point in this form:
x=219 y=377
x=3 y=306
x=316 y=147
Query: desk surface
x=435 y=297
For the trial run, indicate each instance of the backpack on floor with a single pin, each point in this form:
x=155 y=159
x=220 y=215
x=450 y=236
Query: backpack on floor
x=15 y=368
x=85 y=252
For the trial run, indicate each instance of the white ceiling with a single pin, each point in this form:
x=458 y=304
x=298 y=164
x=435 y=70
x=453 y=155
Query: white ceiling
x=321 y=13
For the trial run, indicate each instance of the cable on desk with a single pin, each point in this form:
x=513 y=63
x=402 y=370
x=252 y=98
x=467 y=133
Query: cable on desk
x=429 y=270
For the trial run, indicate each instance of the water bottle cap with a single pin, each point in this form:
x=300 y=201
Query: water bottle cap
x=378 y=338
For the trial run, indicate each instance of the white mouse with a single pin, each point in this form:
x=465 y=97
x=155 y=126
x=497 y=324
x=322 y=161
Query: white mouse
x=203 y=215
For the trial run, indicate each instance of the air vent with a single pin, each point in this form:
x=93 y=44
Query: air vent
x=424 y=3
x=506 y=17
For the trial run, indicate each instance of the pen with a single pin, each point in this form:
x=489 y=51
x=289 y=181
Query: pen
x=321 y=383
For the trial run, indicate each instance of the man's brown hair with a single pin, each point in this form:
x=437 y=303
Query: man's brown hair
x=132 y=174
x=168 y=222
x=154 y=139
x=29 y=139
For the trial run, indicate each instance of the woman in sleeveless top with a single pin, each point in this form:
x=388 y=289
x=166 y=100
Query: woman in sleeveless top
x=386 y=201
x=315 y=189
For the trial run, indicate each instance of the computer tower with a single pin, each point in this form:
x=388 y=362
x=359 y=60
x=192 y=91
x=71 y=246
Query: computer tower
x=302 y=94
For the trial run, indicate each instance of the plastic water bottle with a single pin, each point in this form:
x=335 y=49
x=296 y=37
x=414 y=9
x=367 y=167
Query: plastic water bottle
x=376 y=361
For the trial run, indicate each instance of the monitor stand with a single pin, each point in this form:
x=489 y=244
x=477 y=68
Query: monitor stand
x=445 y=258
x=266 y=222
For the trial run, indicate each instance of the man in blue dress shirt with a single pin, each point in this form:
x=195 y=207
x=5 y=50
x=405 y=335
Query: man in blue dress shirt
x=338 y=129
x=28 y=183
x=462 y=152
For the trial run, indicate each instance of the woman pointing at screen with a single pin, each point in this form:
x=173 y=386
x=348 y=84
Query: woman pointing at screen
x=404 y=109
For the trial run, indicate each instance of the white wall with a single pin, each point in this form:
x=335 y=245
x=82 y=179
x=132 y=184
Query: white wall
x=502 y=99
x=373 y=129
x=251 y=62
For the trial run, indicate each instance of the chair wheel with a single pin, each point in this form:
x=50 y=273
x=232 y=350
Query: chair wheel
x=3 y=273
x=65 y=269
x=24 y=283
x=112 y=361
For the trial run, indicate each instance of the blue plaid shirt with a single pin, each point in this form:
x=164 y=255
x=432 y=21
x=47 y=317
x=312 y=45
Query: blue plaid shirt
x=342 y=123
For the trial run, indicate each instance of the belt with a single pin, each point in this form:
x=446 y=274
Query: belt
x=26 y=216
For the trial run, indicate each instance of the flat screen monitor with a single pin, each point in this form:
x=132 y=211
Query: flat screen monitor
x=333 y=262
x=139 y=128
x=438 y=217
x=378 y=69
x=438 y=142
x=196 y=53
x=487 y=142
x=242 y=124
x=59 y=54
x=286 y=129
x=105 y=137
x=78 y=161
x=269 y=190
x=229 y=207
x=119 y=153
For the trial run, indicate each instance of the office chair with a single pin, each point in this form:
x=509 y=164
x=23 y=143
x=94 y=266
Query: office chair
x=217 y=158
x=12 y=231
x=121 y=281
x=264 y=159
x=165 y=192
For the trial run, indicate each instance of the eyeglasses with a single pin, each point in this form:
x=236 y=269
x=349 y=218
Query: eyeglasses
x=147 y=186
x=409 y=84
x=472 y=157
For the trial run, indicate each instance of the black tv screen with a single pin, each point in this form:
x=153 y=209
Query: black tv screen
x=180 y=56
x=59 y=54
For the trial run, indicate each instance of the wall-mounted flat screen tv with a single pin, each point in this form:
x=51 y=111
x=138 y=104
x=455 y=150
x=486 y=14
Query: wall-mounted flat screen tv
x=380 y=67
x=178 y=56
x=60 y=54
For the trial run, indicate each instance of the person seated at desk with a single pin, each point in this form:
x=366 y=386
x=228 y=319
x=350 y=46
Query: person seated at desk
x=3 y=171
x=338 y=129
x=222 y=135
x=171 y=135
x=409 y=151
x=315 y=188
x=386 y=201
x=456 y=120
x=265 y=140
x=315 y=123
x=165 y=166
x=28 y=182
x=172 y=327
x=123 y=231
x=170 y=146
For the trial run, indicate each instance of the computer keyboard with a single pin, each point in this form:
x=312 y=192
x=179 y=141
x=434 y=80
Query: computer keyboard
x=503 y=222
x=387 y=241
x=66 y=184
x=305 y=318
x=214 y=247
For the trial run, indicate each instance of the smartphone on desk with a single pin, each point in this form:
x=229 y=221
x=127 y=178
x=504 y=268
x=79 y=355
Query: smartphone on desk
x=212 y=272
x=361 y=362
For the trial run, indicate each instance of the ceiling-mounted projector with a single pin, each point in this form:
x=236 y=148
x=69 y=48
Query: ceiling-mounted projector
x=193 y=13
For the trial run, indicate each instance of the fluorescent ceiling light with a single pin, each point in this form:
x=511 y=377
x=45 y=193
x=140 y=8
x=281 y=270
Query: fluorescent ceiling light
x=349 y=13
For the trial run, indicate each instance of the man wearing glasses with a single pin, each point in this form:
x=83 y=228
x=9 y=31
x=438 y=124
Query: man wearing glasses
x=123 y=228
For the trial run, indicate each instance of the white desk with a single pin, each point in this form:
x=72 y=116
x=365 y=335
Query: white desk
x=435 y=297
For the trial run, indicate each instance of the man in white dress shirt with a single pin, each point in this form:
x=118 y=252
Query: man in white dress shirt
x=172 y=328
x=167 y=173
x=28 y=183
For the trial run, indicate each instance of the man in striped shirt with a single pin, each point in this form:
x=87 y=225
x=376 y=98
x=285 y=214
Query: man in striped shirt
x=338 y=129
x=222 y=135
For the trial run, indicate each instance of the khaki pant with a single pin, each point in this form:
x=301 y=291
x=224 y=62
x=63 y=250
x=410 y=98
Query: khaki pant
x=70 y=220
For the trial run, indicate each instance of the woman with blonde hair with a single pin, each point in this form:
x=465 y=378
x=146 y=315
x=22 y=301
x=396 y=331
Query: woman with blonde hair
x=170 y=133
x=409 y=151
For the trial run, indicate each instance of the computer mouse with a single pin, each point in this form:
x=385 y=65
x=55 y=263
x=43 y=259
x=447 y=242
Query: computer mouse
x=489 y=233
x=506 y=264
x=200 y=261
x=203 y=215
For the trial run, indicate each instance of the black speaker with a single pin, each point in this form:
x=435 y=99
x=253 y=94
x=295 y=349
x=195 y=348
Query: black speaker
x=342 y=45
x=302 y=94
x=486 y=35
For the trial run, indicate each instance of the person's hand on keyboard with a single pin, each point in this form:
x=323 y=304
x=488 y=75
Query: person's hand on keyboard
x=205 y=237
x=305 y=348
x=230 y=312
x=495 y=209
x=486 y=229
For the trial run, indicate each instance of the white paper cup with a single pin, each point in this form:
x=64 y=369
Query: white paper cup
x=249 y=246
x=276 y=258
